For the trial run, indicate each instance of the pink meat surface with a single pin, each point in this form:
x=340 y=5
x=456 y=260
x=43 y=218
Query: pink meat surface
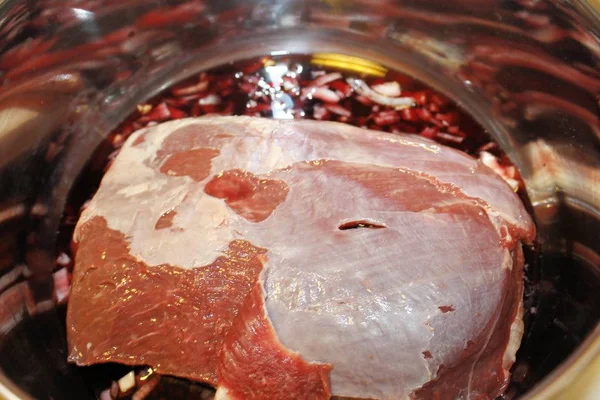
x=301 y=259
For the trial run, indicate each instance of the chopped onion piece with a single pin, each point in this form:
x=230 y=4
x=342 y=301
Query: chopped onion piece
x=63 y=259
x=127 y=382
x=397 y=102
x=210 y=100
x=388 y=89
x=190 y=89
x=105 y=395
x=321 y=93
x=507 y=173
x=339 y=110
x=62 y=286
x=145 y=390
x=325 y=79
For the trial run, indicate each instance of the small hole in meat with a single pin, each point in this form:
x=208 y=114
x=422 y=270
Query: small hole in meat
x=362 y=223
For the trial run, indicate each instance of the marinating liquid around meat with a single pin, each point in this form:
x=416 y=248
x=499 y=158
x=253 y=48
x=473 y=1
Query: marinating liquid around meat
x=300 y=259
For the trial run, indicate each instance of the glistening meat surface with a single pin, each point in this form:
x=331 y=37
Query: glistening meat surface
x=299 y=259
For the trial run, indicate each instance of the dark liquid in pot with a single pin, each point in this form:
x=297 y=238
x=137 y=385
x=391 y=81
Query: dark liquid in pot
x=559 y=300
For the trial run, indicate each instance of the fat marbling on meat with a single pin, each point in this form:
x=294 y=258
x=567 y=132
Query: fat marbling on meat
x=301 y=259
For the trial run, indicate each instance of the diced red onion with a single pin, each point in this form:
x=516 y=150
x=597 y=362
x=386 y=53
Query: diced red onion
x=339 y=110
x=492 y=162
x=146 y=388
x=127 y=382
x=421 y=98
x=440 y=100
x=423 y=114
x=159 y=113
x=488 y=147
x=364 y=100
x=210 y=109
x=62 y=286
x=177 y=113
x=388 y=89
x=510 y=171
x=409 y=114
x=105 y=395
x=454 y=130
x=450 y=138
x=321 y=93
x=436 y=122
x=450 y=118
x=388 y=117
x=144 y=108
x=325 y=79
x=362 y=88
x=341 y=88
x=210 y=100
x=429 y=132
x=114 y=390
x=320 y=113
x=191 y=89
x=63 y=259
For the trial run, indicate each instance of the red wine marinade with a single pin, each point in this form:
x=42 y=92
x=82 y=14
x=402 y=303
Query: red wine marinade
x=298 y=87
x=286 y=87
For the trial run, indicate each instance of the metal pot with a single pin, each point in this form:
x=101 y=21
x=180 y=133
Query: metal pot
x=527 y=70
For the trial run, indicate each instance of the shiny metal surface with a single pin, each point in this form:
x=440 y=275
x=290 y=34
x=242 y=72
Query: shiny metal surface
x=527 y=70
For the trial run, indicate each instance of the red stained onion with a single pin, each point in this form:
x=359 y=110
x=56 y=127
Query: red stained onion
x=429 y=132
x=159 y=113
x=448 y=119
x=210 y=100
x=325 y=79
x=63 y=260
x=409 y=114
x=321 y=93
x=423 y=114
x=339 y=110
x=176 y=113
x=488 y=147
x=450 y=138
x=146 y=388
x=508 y=173
x=62 y=286
x=105 y=395
x=384 y=118
x=191 y=89
x=421 y=98
x=341 y=88
x=320 y=113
